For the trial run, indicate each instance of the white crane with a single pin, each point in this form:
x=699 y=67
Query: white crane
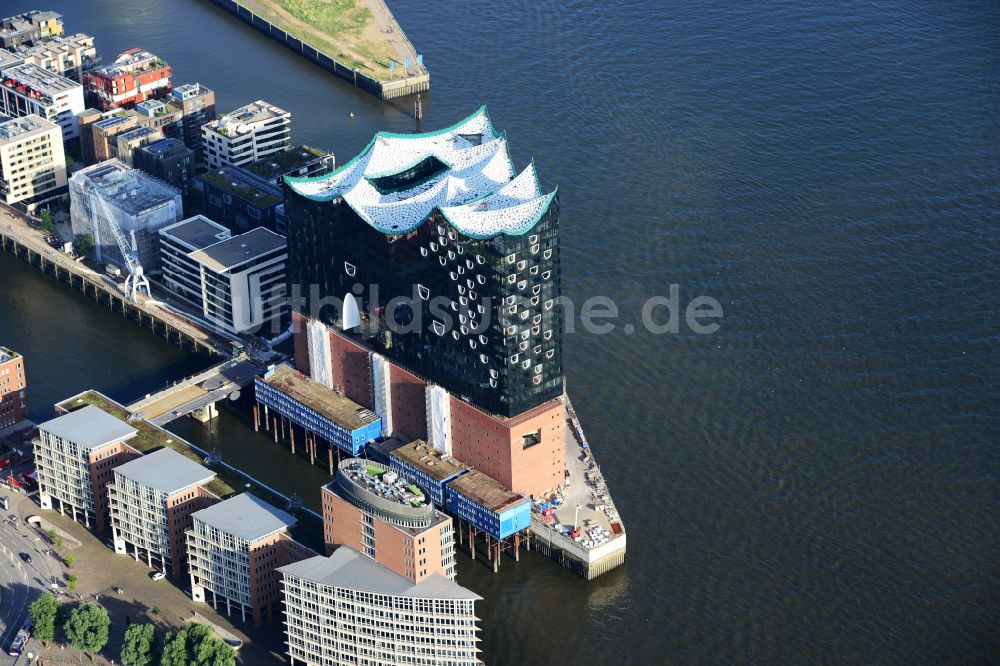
x=136 y=282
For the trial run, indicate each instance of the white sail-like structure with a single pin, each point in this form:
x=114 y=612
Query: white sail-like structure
x=471 y=181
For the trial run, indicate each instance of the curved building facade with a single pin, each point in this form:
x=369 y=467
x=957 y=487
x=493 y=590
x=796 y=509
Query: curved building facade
x=456 y=255
x=346 y=609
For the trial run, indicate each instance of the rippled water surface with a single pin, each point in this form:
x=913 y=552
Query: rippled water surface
x=816 y=482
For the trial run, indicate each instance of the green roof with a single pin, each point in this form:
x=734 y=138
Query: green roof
x=227 y=482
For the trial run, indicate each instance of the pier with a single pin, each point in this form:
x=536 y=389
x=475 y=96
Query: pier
x=581 y=528
x=19 y=239
x=370 y=67
x=196 y=396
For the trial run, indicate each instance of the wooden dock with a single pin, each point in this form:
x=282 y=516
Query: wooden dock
x=20 y=240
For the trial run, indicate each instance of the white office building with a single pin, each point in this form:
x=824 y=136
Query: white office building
x=239 y=281
x=27 y=89
x=348 y=609
x=248 y=134
x=32 y=161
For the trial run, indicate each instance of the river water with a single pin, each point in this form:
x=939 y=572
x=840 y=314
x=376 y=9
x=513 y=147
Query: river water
x=816 y=481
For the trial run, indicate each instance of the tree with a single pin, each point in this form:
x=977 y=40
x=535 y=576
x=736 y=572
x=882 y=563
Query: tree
x=47 y=223
x=44 y=611
x=175 y=650
x=194 y=645
x=71 y=584
x=83 y=245
x=87 y=628
x=137 y=648
x=69 y=559
x=52 y=534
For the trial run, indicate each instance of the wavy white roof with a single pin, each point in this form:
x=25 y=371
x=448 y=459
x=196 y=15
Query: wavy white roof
x=477 y=193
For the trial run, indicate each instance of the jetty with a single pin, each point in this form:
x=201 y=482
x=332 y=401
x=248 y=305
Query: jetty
x=20 y=239
x=361 y=42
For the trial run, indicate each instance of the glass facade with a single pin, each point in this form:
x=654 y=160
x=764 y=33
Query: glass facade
x=480 y=316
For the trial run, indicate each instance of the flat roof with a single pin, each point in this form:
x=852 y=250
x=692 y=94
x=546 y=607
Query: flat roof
x=19 y=128
x=38 y=78
x=429 y=460
x=245 y=516
x=237 y=250
x=245 y=184
x=243 y=120
x=166 y=146
x=196 y=232
x=8 y=59
x=89 y=427
x=349 y=569
x=287 y=161
x=486 y=491
x=189 y=90
x=165 y=470
x=8 y=354
x=329 y=403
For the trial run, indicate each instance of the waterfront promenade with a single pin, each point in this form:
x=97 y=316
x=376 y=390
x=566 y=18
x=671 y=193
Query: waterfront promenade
x=19 y=237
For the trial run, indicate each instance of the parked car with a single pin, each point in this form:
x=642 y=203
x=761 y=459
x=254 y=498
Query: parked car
x=158 y=575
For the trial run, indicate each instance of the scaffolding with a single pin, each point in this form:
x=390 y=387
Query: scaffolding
x=139 y=204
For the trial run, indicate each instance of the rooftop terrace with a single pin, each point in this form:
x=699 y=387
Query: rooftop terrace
x=429 y=460
x=383 y=483
x=334 y=406
x=34 y=81
x=288 y=161
x=245 y=185
x=244 y=119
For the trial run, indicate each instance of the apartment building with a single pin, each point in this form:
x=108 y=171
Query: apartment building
x=126 y=143
x=169 y=160
x=135 y=76
x=13 y=388
x=239 y=281
x=67 y=55
x=32 y=161
x=248 y=134
x=348 y=609
x=234 y=550
x=197 y=104
x=152 y=499
x=385 y=516
x=240 y=199
x=75 y=455
x=27 y=89
x=29 y=27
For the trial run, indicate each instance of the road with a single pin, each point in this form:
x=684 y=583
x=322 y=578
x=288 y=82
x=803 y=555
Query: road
x=20 y=582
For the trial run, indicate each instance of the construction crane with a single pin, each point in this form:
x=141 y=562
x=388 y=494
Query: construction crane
x=136 y=282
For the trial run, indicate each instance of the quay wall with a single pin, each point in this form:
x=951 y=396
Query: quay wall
x=384 y=90
x=588 y=564
x=104 y=295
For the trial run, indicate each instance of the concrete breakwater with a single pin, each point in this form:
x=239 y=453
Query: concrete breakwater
x=385 y=90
